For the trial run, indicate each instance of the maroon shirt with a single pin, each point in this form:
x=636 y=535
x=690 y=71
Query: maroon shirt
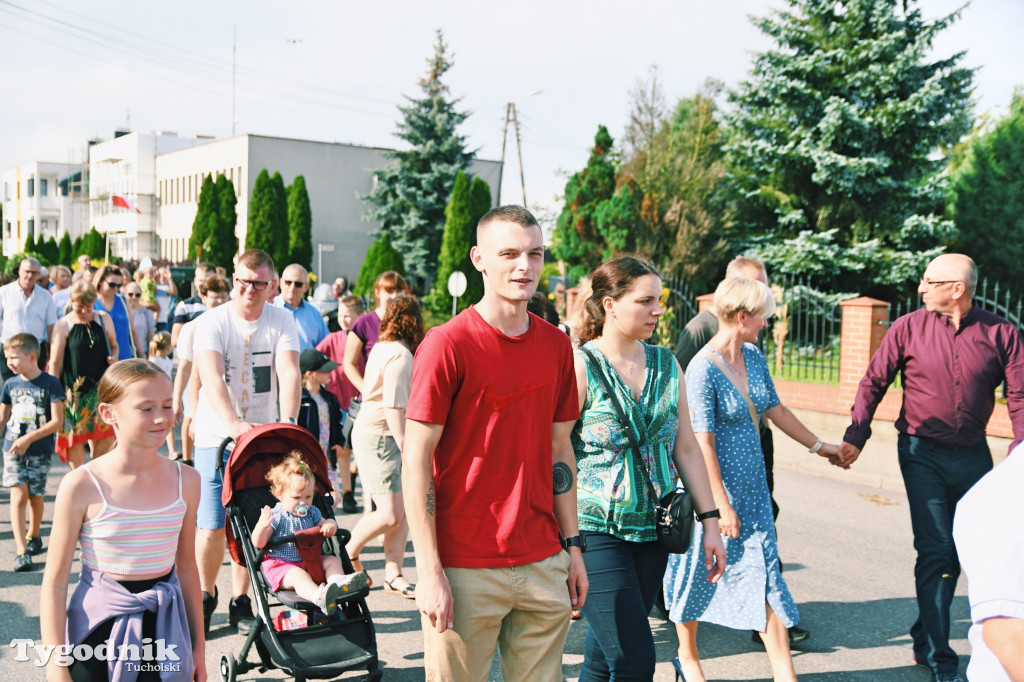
x=950 y=377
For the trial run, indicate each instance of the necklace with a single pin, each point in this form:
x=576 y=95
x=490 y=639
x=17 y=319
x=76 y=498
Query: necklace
x=632 y=364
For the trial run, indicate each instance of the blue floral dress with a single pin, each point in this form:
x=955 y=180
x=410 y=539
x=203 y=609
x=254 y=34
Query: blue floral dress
x=752 y=574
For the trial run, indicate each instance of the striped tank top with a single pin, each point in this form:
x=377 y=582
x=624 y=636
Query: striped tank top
x=129 y=542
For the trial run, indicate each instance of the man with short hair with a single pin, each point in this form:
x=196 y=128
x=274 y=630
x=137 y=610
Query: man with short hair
x=492 y=406
x=191 y=307
x=26 y=308
x=246 y=355
x=84 y=263
x=294 y=284
x=952 y=356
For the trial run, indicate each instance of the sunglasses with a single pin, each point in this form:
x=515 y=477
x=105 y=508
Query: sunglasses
x=134 y=295
x=257 y=284
x=292 y=283
x=113 y=285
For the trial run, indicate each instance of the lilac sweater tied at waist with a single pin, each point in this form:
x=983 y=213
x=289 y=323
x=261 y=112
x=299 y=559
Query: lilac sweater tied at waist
x=98 y=598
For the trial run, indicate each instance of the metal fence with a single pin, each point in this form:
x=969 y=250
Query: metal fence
x=681 y=306
x=802 y=339
x=988 y=296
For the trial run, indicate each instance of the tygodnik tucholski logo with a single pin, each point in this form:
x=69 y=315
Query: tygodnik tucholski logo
x=153 y=655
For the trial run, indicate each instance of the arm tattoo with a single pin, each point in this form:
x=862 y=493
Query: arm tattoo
x=563 y=478
x=431 y=501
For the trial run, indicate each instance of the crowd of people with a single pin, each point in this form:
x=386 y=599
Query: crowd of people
x=524 y=459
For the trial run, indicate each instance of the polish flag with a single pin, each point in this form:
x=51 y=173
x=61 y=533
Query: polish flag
x=121 y=200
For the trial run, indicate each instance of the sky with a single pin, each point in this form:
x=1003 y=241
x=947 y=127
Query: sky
x=336 y=70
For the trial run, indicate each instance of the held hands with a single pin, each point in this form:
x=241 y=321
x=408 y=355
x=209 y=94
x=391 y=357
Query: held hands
x=328 y=527
x=833 y=453
x=849 y=454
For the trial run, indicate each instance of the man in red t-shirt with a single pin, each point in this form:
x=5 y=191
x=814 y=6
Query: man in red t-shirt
x=493 y=403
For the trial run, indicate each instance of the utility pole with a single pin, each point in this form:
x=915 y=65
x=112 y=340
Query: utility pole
x=234 y=60
x=510 y=116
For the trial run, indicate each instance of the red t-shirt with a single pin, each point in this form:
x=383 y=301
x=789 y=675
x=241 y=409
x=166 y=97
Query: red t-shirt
x=497 y=397
x=333 y=346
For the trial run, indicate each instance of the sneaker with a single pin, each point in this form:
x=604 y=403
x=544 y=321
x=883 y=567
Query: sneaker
x=351 y=582
x=209 y=606
x=35 y=544
x=240 y=613
x=326 y=598
x=23 y=562
x=348 y=503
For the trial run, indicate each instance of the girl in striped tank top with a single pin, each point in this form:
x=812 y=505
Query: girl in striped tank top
x=134 y=514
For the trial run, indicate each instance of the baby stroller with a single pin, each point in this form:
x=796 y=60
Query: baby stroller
x=329 y=645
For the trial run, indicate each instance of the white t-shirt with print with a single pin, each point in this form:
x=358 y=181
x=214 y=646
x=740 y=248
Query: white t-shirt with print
x=250 y=350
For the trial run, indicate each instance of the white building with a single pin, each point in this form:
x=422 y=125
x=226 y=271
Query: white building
x=337 y=177
x=126 y=165
x=42 y=199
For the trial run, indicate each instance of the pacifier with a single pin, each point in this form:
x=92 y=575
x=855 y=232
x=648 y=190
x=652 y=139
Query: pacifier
x=301 y=509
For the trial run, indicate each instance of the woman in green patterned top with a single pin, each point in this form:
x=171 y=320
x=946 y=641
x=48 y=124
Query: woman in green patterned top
x=624 y=562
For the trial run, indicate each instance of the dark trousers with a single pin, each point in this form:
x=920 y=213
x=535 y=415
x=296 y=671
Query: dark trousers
x=625 y=578
x=936 y=478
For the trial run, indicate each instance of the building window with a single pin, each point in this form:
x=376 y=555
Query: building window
x=31 y=225
x=42 y=187
x=31 y=187
x=42 y=223
x=56 y=226
x=7 y=195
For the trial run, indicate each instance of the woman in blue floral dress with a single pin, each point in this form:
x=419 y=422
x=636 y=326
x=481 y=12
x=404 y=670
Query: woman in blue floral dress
x=752 y=594
x=616 y=514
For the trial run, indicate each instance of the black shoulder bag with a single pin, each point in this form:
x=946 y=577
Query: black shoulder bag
x=673 y=513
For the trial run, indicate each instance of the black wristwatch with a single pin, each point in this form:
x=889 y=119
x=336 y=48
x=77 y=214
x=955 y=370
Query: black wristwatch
x=575 y=541
x=713 y=514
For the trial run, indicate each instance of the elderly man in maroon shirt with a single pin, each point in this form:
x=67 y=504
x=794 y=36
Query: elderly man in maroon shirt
x=953 y=356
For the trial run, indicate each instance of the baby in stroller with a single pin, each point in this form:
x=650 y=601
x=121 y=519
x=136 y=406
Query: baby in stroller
x=292 y=483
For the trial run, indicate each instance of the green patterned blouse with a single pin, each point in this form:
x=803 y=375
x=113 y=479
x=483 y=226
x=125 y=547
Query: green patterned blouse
x=610 y=489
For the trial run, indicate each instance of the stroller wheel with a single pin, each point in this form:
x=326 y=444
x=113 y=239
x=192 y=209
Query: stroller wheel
x=228 y=668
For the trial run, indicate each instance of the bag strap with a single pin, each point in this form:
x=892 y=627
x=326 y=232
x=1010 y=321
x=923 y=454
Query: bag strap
x=735 y=381
x=652 y=495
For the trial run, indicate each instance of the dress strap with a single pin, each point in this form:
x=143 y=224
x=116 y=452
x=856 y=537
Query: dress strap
x=179 y=480
x=97 y=484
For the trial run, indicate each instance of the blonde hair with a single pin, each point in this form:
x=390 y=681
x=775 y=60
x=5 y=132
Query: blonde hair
x=738 y=293
x=82 y=292
x=293 y=464
x=161 y=341
x=121 y=375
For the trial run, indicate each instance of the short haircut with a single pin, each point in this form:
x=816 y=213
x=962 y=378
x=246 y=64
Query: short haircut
x=206 y=267
x=62 y=268
x=254 y=259
x=509 y=214
x=739 y=293
x=293 y=266
x=353 y=302
x=26 y=343
x=82 y=292
x=739 y=264
x=216 y=284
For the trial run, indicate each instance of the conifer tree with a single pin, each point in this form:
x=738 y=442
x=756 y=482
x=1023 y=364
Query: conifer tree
x=30 y=244
x=64 y=250
x=224 y=240
x=268 y=218
x=300 y=224
x=381 y=257
x=412 y=191
x=205 y=222
x=49 y=250
x=468 y=203
x=838 y=142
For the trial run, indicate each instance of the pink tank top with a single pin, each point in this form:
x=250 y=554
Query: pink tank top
x=128 y=542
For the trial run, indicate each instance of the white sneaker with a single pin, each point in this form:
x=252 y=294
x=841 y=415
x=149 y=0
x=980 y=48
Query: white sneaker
x=326 y=598
x=352 y=582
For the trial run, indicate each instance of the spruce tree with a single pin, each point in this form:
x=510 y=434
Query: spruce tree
x=49 y=250
x=577 y=238
x=837 y=142
x=381 y=257
x=300 y=224
x=204 y=222
x=268 y=218
x=468 y=203
x=64 y=250
x=223 y=239
x=30 y=244
x=412 y=191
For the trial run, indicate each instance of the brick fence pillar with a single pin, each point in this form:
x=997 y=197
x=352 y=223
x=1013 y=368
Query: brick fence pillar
x=705 y=302
x=865 y=321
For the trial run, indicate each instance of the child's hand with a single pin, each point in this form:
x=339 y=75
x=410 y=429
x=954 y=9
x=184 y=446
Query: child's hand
x=328 y=528
x=19 y=446
x=265 y=515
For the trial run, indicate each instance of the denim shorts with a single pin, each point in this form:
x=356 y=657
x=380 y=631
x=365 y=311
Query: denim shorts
x=210 y=515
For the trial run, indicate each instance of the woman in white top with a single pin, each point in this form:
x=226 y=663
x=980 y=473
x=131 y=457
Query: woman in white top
x=379 y=434
x=142 y=319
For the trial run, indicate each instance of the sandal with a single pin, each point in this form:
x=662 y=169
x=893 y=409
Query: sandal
x=357 y=566
x=408 y=591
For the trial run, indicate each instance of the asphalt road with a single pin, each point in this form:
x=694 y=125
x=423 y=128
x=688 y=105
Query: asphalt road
x=849 y=564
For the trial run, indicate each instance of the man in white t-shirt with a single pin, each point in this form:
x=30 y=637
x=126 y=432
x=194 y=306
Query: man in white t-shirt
x=990 y=544
x=246 y=354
